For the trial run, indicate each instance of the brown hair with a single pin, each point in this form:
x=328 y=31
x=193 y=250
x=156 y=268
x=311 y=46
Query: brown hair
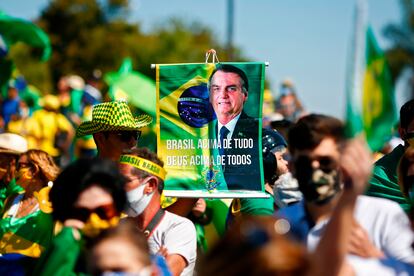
x=407 y=114
x=310 y=130
x=253 y=247
x=148 y=155
x=126 y=230
x=47 y=166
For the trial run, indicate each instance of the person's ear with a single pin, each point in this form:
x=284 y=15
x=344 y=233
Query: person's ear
x=98 y=138
x=151 y=186
x=245 y=96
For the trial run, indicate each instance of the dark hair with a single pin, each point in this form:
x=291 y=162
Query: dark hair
x=407 y=114
x=272 y=142
x=81 y=175
x=252 y=246
x=151 y=156
x=231 y=69
x=310 y=130
x=404 y=181
x=127 y=230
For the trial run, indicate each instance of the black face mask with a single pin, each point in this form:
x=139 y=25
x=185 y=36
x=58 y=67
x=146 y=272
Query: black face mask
x=318 y=185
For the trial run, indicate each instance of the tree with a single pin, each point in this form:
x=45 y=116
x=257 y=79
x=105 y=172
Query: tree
x=91 y=34
x=401 y=54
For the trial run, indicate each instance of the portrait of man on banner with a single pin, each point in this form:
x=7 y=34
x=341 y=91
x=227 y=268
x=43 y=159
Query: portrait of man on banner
x=237 y=132
x=209 y=128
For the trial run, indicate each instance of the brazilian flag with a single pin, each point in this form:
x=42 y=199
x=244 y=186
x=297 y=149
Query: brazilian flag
x=371 y=106
x=186 y=123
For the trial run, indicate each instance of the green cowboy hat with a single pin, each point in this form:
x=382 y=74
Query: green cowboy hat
x=112 y=116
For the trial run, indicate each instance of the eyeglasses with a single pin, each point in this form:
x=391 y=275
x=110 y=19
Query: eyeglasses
x=125 y=136
x=21 y=165
x=105 y=212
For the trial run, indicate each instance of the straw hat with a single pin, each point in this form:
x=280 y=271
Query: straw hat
x=112 y=116
x=12 y=143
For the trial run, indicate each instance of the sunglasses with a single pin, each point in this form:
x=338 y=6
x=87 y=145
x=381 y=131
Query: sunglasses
x=105 y=212
x=326 y=163
x=22 y=165
x=125 y=136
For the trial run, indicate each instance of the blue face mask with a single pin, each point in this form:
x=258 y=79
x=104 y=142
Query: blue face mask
x=146 y=271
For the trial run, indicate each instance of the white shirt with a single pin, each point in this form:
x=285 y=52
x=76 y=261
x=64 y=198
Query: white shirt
x=230 y=126
x=386 y=223
x=178 y=235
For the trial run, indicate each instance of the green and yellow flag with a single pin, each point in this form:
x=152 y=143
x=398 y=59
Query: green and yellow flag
x=139 y=91
x=371 y=106
x=198 y=163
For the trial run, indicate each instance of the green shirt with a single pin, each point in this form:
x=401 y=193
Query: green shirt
x=254 y=206
x=384 y=181
x=8 y=190
x=62 y=256
x=28 y=236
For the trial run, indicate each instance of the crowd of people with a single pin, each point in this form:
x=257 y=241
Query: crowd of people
x=79 y=195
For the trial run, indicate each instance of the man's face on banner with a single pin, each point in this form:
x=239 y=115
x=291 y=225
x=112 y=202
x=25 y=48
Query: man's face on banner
x=227 y=95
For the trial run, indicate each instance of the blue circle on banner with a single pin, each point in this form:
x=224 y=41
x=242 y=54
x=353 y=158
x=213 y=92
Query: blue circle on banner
x=194 y=106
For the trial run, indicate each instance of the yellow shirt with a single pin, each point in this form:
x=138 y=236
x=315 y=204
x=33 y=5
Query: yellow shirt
x=49 y=123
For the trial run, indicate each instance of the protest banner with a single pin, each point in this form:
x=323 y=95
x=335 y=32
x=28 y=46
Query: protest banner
x=194 y=102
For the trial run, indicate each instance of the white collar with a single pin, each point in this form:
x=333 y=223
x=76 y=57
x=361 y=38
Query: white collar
x=230 y=125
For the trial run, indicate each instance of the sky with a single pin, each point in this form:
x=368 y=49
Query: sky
x=305 y=41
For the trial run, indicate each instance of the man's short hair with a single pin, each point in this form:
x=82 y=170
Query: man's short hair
x=310 y=130
x=407 y=114
x=151 y=156
x=227 y=68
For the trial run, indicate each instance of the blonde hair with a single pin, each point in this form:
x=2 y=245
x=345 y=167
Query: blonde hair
x=45 y=162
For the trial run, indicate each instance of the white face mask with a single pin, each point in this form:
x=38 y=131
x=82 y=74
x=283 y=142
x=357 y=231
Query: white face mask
x=137 y=201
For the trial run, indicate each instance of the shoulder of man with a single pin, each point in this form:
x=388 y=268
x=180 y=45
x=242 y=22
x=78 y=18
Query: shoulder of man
x=176 y=221
x=390 y=160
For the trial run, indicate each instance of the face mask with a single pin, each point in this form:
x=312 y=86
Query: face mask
x=3 y=172
x=24 y=177
x=317 y=185
x=94 y=225
x=286 y=190
x=137 y=201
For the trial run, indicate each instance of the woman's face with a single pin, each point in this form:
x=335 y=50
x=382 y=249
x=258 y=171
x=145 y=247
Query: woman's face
x=7 y=166
x=25 y=171
x=95 y=208
x=93 y=197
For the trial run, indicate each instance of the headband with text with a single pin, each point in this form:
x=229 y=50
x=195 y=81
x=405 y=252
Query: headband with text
x=143 y=164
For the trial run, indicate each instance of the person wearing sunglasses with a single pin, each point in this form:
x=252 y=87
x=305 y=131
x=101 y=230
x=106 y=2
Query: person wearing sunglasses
x=114 y=128
x=11 y=146
x=87 y=197
x=384 y=181
x=26 y=225
x=326 y=164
